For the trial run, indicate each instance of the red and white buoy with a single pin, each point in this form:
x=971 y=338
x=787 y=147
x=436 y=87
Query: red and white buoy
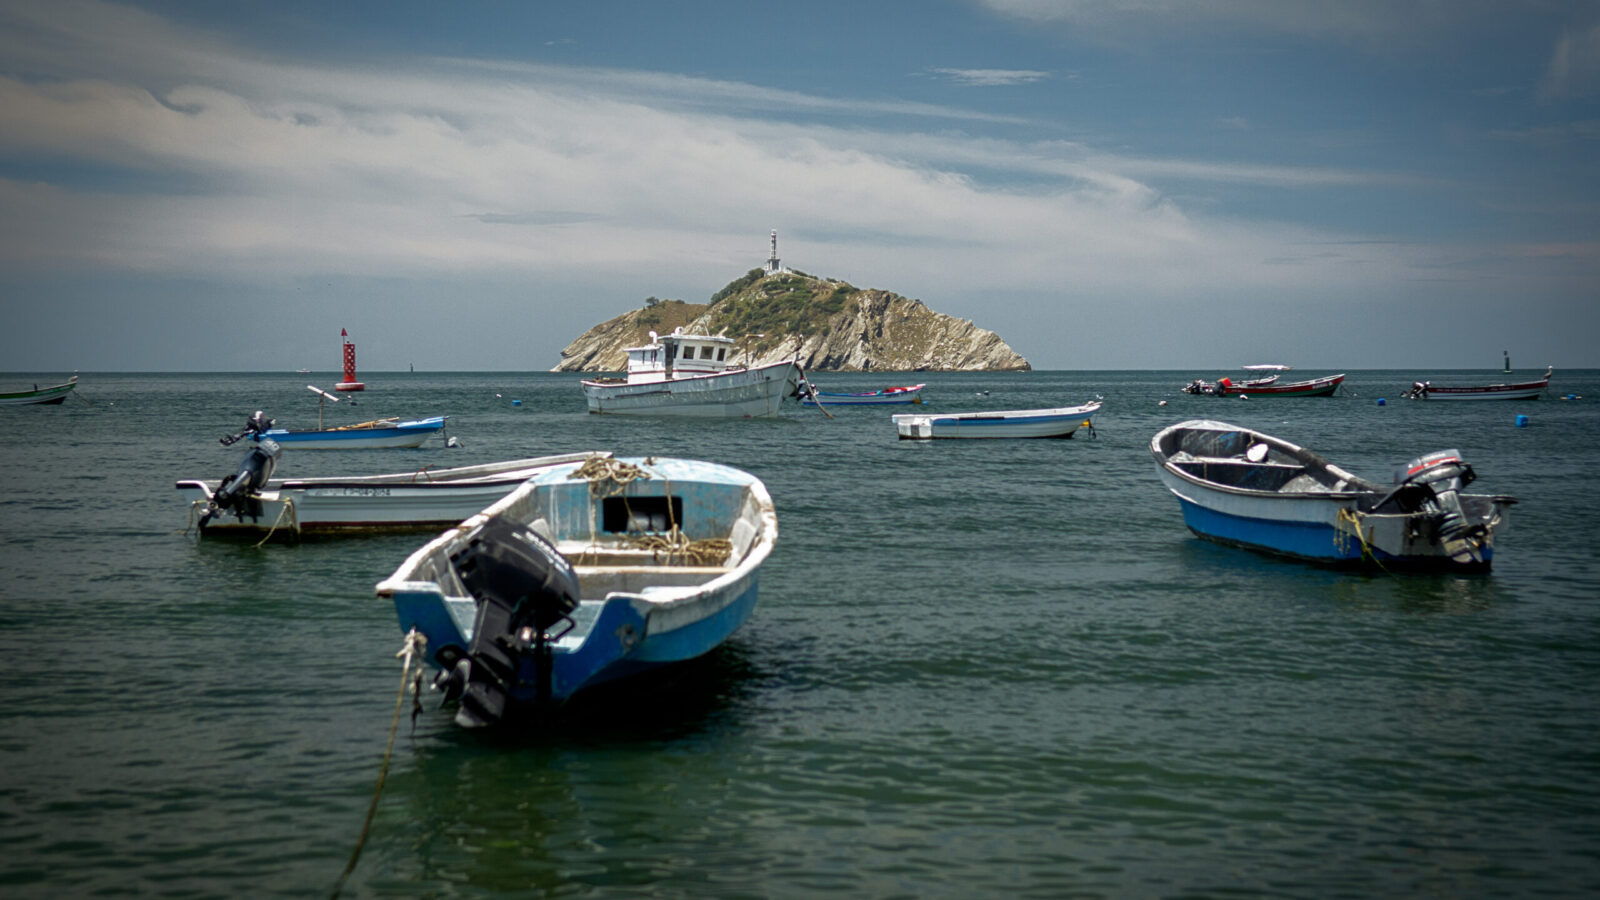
x=349 y=383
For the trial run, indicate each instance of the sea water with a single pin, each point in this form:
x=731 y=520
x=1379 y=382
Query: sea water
x=977 y=669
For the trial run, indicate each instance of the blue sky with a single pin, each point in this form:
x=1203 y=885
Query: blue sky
x=1139 y=184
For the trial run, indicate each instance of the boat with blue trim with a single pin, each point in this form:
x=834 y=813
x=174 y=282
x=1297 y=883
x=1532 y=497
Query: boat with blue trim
x=1058 y=422
x=585 y=574
x=1241 y=487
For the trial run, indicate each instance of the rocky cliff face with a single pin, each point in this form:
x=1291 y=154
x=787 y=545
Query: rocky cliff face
x=829 y=324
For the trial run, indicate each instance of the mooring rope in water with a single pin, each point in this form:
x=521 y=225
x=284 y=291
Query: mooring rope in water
x=416 y=644
x=1349 y=521
x=288 y=509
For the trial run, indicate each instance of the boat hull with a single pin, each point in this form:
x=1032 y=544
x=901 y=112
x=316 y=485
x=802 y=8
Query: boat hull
x=1527 y=390
x=638 y=610
x=54 y=394
x=1316 y=387
x=1060 y=422
x=401 y=435
x=731 y=394
x=1278 y=507
x=288 y=509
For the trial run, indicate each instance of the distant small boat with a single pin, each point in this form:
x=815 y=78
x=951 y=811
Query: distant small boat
x=692 y=375
x=1526 y=390
x=1060 y=422
x=251 y=502
x=375 y=434
x=888 y=396
x=584 y=575
x=55 y=393
x=1238 y=486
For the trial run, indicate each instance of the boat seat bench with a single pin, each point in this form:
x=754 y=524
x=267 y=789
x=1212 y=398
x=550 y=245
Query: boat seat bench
x=1241 y=473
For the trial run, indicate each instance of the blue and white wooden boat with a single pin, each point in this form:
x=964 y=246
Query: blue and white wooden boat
x=379 y=433
x=583 y=575
x=692 y=375
x=907 y=394
x=1240 y=487
x=1060 y=422
x=251 y=503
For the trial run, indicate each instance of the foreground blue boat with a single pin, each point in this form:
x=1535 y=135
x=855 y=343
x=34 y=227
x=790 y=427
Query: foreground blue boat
x=1248 y=489
x=585 y=574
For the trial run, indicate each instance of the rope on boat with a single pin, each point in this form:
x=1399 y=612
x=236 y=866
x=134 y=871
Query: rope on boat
x=705 y=552
x=1348 y=522
x=607 y=476
x=287 y=510
x=416 y=644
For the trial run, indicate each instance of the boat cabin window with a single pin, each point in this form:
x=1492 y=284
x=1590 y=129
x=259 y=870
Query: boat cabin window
x=622 y=515
x=722 y=353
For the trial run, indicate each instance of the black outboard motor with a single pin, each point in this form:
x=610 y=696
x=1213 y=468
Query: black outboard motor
x=238 y=492
x=255 y=427
x=524 y=587
x=1431 y=485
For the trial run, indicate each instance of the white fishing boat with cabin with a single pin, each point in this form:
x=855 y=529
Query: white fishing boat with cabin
x=692 y=375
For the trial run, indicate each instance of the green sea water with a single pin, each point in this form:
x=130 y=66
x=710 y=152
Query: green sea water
x=977 y=668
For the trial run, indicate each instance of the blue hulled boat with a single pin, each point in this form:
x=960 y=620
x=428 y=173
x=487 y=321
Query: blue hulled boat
x=585 y=574
x=1241 y=487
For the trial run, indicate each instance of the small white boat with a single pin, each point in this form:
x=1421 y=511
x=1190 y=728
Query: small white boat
x=290 y=508
x=692 y=375
x=1060 y=422
x=585 y=574
x=1241 y=487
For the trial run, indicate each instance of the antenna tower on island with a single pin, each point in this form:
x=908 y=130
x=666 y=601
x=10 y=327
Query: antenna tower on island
x=773 y=267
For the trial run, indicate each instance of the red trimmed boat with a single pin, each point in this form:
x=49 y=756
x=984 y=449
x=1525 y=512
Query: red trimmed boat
x=1266 y=387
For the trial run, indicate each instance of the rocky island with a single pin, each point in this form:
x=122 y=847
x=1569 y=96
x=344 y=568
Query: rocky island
x=777 y=314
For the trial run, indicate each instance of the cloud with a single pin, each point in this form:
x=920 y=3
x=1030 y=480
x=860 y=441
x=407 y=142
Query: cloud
x=1574 y=67
x=991 y=77
x=261 y=167
x=1364 y=20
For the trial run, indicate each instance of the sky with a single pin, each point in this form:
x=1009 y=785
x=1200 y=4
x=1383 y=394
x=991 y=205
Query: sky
x=1143 y=184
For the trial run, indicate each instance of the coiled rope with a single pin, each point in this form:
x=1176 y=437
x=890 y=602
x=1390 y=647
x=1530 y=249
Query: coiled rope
x=416 y=644
x=705 y=552
x=608 y=476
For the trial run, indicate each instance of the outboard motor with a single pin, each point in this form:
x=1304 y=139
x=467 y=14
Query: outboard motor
x=1431 y=485
x=524 y=588
x=254 y=427
x=239 y=492
x=1418 y=390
